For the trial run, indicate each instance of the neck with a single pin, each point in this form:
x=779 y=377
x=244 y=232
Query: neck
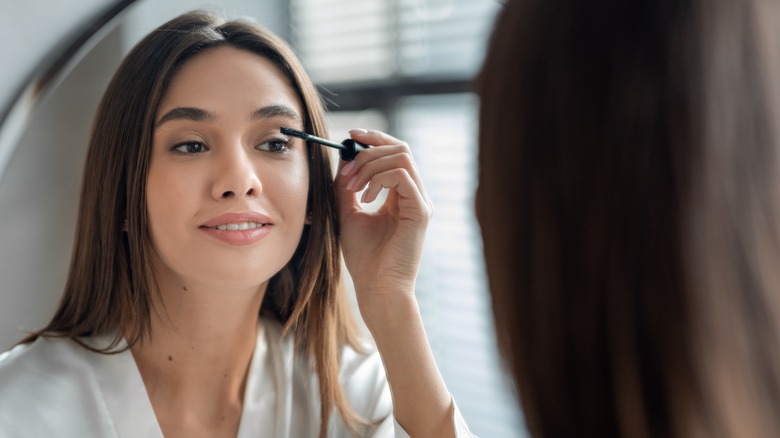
x=196 y=360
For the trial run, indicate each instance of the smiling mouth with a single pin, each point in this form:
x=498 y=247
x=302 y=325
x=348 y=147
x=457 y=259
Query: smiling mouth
x=239 y=226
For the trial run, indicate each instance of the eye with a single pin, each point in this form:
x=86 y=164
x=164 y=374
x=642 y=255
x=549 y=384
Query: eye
x=277 y=145
x=192 y=147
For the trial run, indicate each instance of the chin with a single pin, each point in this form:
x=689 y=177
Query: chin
x=221 y=270
x=234 y=278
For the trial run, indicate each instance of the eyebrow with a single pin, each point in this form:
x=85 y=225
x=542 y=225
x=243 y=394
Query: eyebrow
x=276 y=110
x=186 y=113
x=199 y=115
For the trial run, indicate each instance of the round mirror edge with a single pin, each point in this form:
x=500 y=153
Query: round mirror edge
x=50 y=72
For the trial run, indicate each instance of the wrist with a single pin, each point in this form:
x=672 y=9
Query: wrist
x=388 y=312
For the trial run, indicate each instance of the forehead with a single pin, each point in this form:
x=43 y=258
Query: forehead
x=226 y=79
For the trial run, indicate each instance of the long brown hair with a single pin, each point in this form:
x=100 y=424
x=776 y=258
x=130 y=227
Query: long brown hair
x=628 y=200
x=111 y=285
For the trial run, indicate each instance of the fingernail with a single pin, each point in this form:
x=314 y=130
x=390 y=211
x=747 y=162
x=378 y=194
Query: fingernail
x=352 y=182
x=358 y=131
x=348 y=168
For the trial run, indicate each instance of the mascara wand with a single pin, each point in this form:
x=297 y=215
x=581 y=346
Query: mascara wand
x=348 y=148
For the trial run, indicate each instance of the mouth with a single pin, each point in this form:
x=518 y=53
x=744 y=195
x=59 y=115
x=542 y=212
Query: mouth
x=239 y=229
x=238 y=226
x=243 y=221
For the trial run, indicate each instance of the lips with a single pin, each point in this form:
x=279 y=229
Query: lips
x=241 y=226
x=238 y=228
x=238 y=221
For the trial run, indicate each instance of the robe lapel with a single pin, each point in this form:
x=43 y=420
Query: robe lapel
x=124 y=393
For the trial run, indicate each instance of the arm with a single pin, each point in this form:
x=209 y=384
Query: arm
x=421 y=401
x=382 y=252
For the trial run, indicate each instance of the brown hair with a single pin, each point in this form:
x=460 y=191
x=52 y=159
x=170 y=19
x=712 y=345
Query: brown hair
x=111 y=285
x=628 y=196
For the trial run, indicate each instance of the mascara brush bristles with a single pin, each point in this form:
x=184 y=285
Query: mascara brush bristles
x=314 y=138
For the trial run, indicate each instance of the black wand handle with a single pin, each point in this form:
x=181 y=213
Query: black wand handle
x=351 y=149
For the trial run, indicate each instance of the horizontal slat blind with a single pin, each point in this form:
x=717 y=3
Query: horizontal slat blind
x=365 y=40
x=442 y=37
x=344 y=40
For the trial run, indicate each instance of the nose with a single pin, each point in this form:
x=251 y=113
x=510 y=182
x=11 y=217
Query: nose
x=235 y=176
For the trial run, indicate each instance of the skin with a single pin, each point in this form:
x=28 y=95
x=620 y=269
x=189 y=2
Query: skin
x=212 y=291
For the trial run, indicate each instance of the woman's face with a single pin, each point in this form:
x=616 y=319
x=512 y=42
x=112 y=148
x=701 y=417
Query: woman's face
x=226 y=192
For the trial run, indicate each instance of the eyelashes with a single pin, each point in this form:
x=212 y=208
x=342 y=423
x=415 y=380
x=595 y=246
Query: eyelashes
x=276 y=145
x=188 y=148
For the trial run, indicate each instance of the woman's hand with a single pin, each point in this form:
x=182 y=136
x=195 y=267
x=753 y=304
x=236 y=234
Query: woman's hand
x=382 y=248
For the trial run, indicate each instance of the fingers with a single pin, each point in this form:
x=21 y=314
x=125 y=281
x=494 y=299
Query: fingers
x=387 y=155
x=397 y=179
x=366 y=165
x=374 y=137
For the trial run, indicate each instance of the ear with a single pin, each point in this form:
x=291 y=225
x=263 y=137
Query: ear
x=308 y=219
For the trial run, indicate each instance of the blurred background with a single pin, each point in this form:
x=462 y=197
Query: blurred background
x=403 y=66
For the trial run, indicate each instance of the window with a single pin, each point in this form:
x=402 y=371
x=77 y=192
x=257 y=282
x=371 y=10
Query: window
x=405 y=66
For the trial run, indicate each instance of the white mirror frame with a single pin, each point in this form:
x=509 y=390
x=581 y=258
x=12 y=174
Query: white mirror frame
x=79 y=28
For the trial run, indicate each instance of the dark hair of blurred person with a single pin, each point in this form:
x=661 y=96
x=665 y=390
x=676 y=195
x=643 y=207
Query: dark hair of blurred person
x=628 y=200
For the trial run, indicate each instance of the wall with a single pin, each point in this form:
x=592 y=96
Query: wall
x=39 y=192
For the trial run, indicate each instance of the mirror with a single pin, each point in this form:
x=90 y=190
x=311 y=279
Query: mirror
x=47 y=113
x=42 y=146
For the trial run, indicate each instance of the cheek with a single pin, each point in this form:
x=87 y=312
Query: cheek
x=167 y=197
x=291 y=190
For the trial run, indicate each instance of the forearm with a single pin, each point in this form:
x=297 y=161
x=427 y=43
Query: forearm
x=421 y=401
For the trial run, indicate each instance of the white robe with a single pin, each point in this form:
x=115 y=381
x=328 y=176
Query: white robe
x=56 y=388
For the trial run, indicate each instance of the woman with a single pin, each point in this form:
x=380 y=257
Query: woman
x=628 y=203
x=196 y=216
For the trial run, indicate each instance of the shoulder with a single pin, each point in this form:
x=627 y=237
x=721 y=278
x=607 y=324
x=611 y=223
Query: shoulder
x=44 y=389
x=44 y=361
x=360 y=370
x=361 y=374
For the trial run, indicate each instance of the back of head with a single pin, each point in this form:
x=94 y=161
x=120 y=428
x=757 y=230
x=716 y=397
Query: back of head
x=627 y=200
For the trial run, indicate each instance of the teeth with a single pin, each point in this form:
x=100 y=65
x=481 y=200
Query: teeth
x=239 y=226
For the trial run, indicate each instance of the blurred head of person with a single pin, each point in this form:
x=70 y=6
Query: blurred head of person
x=628 y=202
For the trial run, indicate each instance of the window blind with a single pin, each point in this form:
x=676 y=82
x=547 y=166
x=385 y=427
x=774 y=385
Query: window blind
x=370 y=40
x=344 y=40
